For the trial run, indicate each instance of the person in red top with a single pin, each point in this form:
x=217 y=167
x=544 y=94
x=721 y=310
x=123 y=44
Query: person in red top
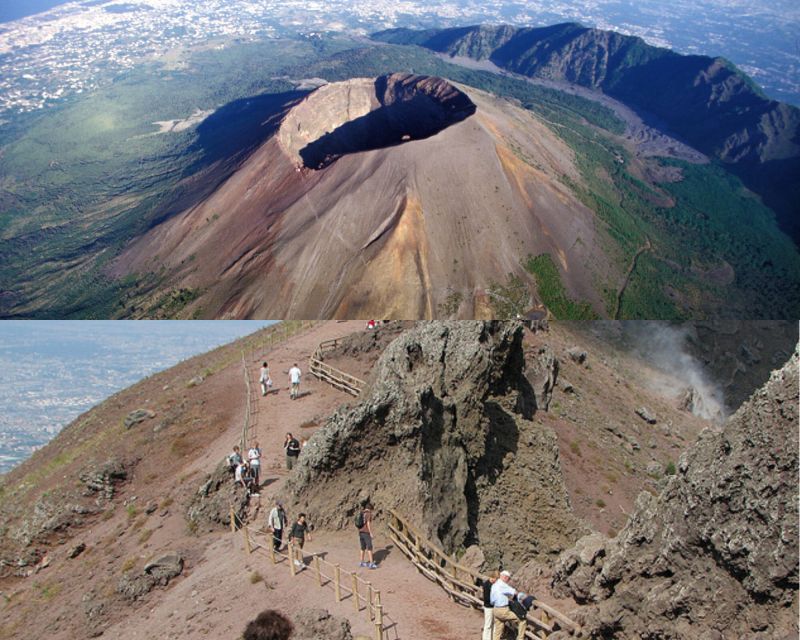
x=365 y=536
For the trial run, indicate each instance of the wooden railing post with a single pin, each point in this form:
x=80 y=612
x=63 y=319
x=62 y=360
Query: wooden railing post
x=317 y=570
x=355 y=592
x=378 y=622
x=233 y=520
x=369 y=600
x=337 y=582
x=272 y=549
x=291 y=559
x=247 y=540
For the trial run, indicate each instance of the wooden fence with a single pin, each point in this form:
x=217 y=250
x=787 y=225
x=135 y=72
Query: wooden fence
x=345 y=584
x=460 y=582
x=334 y=377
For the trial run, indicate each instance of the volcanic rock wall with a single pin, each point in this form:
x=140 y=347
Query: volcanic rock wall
x=444 y=434
x=716 y=554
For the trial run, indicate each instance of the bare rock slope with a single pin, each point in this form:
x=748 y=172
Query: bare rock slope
x=715 y=555
x=444 y=435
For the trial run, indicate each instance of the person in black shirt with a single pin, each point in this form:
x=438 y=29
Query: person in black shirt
x=298 y=537
x=292 y=447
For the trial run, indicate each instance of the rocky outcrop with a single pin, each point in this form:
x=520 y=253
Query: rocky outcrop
x=315 y=624
x=133 y=586
x=715 y=555
x=137 y=416
x=444 y=435
x=210 y=507
x=103 y=479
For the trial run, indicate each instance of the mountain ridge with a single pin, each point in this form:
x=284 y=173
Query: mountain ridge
x=706 y=100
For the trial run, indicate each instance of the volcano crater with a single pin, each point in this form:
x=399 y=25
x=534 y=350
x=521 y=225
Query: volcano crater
x=365 y=114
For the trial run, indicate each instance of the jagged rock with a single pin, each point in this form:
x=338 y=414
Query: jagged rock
x=645 y=414
x=94 y=610
x=151 y=507
x=319 y=624
x=443 y=434
x=566 y=385
x=197 y=380
x=165 y=568
x=76 y=551
x=473 y=558
x=104 y=478
x=137 y=416
x=134 y=586
x=577 y=355
x=211 y=504
x=542 y=374
x=654 y=469
x=715 y=554
x=577 y=568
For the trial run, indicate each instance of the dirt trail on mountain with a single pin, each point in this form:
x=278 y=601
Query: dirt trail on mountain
x=203 y=603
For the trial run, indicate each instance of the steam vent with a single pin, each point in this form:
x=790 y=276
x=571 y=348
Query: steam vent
x=365 y=113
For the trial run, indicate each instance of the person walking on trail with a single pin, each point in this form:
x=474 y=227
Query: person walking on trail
x=235 y=459
x=254 y=458
x=294 y=381
x=501 y=593
x=277 y=523
x=299 y=534
x=242 y=476
x=292 y=448
x=264 y=379
x=488 y=610
x=364 y=524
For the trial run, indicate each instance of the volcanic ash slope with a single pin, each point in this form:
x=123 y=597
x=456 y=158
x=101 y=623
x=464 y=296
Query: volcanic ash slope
x=381 y=197
x=715 y=555
x=444 y=434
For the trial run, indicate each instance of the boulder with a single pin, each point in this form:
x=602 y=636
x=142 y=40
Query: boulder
x=473 y=558
x=165 y=568
x=645 y=414
x=578 y=355
x=137 y=416
x=319 y=624
x=133 y=586
x=76 y=551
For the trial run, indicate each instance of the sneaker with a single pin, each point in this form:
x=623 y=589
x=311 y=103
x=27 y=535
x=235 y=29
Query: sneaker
x=362 y=564
x=372 y=565
x=298 y=564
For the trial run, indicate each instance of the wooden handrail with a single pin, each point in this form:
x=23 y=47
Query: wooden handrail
x=333 y=376
x=439 y=567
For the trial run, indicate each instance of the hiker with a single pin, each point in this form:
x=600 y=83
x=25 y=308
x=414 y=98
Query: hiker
x=241 y=476
x=277 y=523
x=251 y=478
x=254 y=457
x=298 y=538
x=292 y=448
x=364 y=524
x=500 y=594
x=235 y=459
x=488 y=610
x=269 y=625
x=264 y=379
x=294 y=381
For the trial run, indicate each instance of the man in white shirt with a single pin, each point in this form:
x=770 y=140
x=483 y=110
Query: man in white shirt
x=294 y=381
x=500 y=595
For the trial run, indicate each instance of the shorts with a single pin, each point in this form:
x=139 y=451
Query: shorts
x=366 y=541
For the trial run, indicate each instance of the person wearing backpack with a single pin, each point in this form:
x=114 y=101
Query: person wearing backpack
x=363 y=522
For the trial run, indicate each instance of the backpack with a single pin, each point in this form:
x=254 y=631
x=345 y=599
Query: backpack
x=360 y=520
